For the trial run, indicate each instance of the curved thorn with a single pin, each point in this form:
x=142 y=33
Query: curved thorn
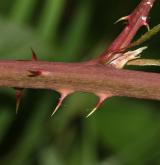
x=34 y=56
x=102 y=97
x=18 y=98
x=144 y=22
x=125 y=18
x=147 y=26
x=63 y=96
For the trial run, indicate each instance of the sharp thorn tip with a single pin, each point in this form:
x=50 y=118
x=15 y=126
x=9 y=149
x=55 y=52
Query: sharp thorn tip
x=63 y=96
x=55 y=110
x=91 y=112
x=102 y=97
x=34 y=56
x=121 y=19
x=148 y=28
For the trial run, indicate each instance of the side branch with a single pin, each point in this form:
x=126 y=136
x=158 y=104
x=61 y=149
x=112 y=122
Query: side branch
x=136 y=20
x=79 y=77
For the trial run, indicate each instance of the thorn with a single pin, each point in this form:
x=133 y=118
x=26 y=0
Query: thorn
x=144 y=22
x=147 y=26
x=18 y=98
x=34 y=56
x=35 y=73
x=63 y=96
x=102 y=97
x=125 y=18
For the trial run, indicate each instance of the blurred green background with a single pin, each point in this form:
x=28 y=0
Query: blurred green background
x=123 y=131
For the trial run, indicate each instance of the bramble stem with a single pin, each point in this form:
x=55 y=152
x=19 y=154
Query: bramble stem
x=91 y=76
x=80 y=77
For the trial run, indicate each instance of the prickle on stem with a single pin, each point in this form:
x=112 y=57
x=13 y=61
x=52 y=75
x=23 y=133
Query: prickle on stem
x=18 y=98
x=63 y=96
x=144 y=22
x=125 y=18
x=102 y=98
x=34 y=56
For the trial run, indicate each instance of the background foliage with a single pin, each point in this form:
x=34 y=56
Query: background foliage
x=122 y=131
